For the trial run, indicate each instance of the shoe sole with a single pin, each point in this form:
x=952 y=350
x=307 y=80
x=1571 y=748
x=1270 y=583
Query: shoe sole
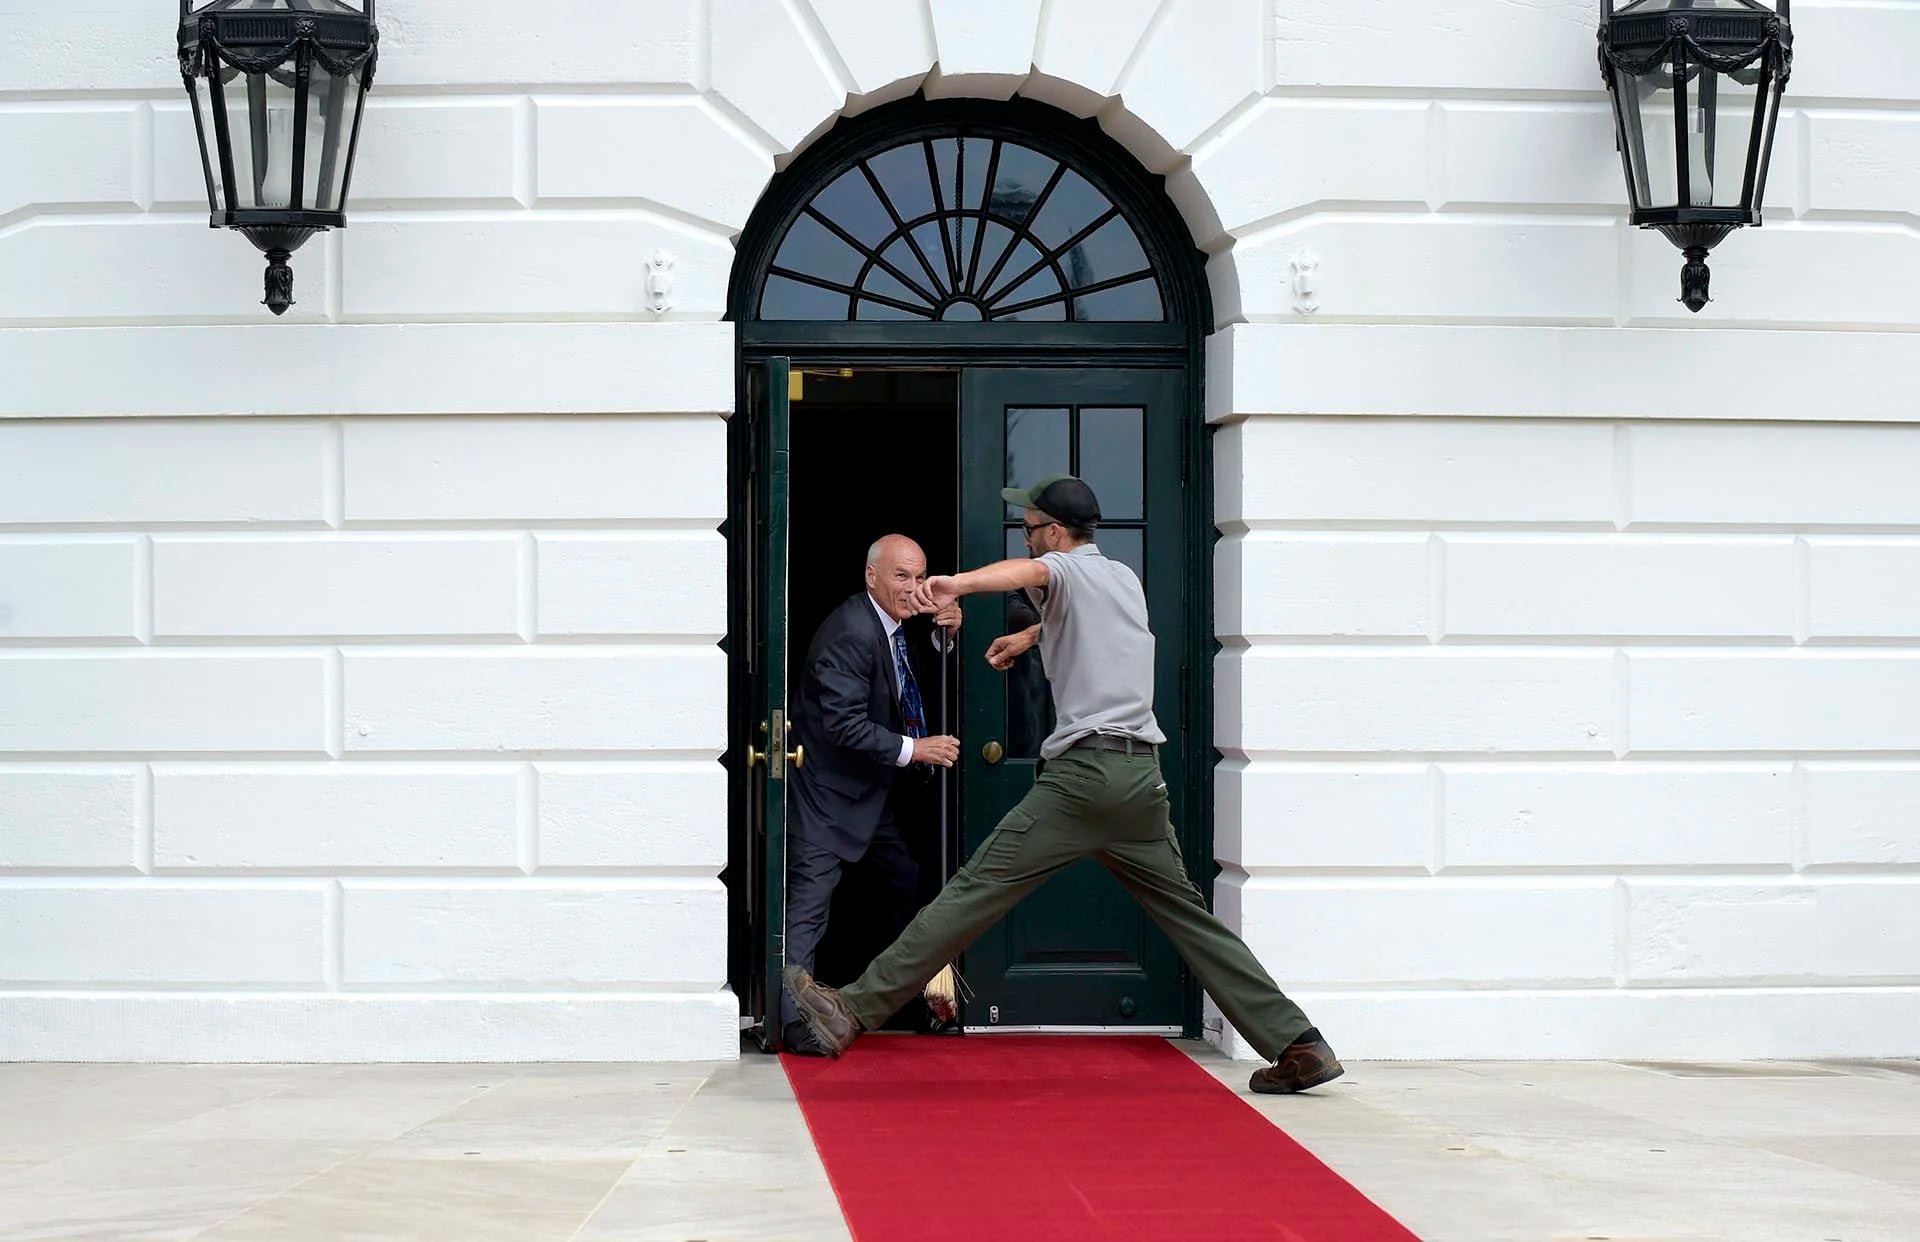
x=1325 y=1076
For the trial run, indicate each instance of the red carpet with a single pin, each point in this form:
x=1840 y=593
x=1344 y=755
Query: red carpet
x=1018 y=1137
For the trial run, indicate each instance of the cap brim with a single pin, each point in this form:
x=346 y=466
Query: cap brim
x=1019 y=497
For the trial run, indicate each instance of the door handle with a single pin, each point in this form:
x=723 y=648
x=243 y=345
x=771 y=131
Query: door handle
x=797 y=756
x=992 y=752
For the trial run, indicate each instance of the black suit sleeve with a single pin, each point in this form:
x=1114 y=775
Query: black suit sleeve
x=844 y=673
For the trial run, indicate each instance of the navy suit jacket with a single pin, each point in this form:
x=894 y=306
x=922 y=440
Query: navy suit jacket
x=848 y=716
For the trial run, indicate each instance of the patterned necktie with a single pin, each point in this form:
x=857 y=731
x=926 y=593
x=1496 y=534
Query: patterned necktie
x=911 y=709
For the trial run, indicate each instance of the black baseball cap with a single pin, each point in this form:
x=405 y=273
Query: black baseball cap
x=1061 y=497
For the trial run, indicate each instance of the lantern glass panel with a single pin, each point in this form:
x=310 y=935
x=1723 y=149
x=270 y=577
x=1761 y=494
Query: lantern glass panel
x=1720 y=134
x=1772 y=104
x=1648 y=102
x=332 y=104
x=233 y=88
x=261 y=116
x=201 y=89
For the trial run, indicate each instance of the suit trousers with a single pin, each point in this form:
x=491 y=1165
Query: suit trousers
x=1088 y=803
x=813 y=872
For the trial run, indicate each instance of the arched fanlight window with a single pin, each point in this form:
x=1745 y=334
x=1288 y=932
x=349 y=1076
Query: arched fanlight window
x=961 y=229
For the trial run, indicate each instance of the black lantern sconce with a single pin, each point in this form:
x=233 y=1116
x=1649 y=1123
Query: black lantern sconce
x=278 y=87
x=1696 y=88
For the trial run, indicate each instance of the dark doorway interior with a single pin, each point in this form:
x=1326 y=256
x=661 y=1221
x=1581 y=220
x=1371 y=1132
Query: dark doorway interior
x=874 y=452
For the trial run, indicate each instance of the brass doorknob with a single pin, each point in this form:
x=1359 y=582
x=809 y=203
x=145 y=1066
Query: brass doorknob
x=755 y=756
x=992 y=752
x=798 y=756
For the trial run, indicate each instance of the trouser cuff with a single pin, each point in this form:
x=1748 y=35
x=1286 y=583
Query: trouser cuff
x=861 y=1008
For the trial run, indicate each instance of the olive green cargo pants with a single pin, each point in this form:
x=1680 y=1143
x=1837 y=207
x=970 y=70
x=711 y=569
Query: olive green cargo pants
x=1112 y=806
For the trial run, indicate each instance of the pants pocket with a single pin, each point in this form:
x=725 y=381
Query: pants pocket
x=997 y=854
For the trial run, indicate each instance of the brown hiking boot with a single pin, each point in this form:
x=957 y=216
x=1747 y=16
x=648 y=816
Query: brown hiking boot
x=1304 y=1063
x=821 y=1008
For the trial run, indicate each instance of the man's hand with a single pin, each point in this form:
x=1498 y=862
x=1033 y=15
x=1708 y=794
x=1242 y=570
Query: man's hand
x=948 y=617
x=937 y=594
x=1010 y=647
x=941 y=752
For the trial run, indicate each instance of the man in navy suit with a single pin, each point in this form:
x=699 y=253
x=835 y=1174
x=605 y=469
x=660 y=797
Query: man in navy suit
x=862 y=718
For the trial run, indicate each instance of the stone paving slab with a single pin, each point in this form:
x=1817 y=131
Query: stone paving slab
x=1466 y=1151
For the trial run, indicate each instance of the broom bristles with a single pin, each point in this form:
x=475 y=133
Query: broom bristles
x=943 y=992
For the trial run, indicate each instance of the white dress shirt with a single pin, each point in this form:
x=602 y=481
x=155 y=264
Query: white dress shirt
x=891 y=624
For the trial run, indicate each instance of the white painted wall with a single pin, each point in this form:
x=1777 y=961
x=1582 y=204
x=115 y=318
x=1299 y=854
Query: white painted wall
x=1570 y=645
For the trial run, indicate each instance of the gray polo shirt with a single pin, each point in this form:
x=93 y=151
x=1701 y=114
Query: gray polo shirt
x=1097 y=648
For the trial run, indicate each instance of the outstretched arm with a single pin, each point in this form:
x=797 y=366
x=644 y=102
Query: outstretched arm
x=1018 y=575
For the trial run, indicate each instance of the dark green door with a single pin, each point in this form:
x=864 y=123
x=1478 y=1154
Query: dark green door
x=765 y=747
x=1078 y=952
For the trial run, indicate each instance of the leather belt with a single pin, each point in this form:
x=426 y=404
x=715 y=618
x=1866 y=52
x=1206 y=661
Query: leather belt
x=1108 y=741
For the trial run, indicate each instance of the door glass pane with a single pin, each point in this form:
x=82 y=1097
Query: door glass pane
x=850 y=203
x=998 y=240
x=1111 y=251
x=812 y=249
x=976 y=152
x=1073 y=205
x=903 y=175
x=1048 y=312
x=1018 y=180
x=1039 y=443
x=1019 y=266
x=882 y=283
x=946 y=192
x=1138 y=302
x=936 y=242
x=1029 y=697
x=867 y=309
x=1042 y=284
x=1128 y=546
x=1113 y=453
x=902 y=255
x=790 y=299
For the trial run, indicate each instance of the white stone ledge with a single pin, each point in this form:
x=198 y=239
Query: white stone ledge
x=1552 y=372
x=326 y=369
x=347 y=1028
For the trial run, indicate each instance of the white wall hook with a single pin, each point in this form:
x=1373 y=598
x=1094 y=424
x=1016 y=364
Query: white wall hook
x=660 y=282
x=1304 y=265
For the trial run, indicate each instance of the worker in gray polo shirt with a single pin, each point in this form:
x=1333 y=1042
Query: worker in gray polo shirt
x=1099 y=793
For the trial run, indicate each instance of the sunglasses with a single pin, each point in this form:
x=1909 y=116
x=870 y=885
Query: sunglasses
x=1030 y=527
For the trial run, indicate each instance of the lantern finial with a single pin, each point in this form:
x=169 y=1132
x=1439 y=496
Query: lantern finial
x=280 y=282
x=1693 y=278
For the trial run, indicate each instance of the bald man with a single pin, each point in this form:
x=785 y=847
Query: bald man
x=860 y=714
